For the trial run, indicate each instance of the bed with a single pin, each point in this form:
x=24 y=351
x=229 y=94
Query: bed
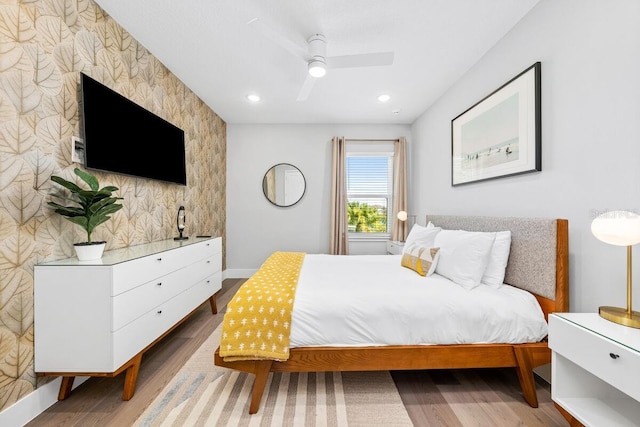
x=537 y=270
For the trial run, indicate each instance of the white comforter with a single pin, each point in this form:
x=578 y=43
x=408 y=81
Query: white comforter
x=364 y=300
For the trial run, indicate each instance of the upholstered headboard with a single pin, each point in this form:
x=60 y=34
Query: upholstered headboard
x=539 y=256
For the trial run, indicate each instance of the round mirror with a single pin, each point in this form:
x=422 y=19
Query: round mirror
x=283 y=185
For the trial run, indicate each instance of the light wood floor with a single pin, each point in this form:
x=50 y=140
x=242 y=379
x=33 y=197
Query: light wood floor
x=432 y=398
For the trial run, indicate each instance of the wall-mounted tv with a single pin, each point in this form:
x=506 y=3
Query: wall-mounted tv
x=122 y=137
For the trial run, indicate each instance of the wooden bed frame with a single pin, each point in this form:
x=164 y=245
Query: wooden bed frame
x=523 y=357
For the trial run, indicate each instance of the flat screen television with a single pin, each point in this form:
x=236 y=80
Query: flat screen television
x=122 y=137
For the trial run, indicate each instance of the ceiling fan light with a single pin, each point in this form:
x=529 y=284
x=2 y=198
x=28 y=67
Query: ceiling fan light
x=317 y=69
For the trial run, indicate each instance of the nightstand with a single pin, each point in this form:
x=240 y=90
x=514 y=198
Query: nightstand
x=595 y=367
x=394 y=247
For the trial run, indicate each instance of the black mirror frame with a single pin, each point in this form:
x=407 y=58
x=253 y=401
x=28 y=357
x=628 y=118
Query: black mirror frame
x=264 y=186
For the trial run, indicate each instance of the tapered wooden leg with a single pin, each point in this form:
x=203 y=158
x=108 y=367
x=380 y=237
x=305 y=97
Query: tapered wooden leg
x=214 y=307
x=131 y=377
x=525 y=375
x=65 y=387
x=263 y=368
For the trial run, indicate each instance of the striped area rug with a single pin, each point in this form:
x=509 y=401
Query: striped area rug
x=203 y=394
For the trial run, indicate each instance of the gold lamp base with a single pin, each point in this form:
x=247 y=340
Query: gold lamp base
x=621 y=316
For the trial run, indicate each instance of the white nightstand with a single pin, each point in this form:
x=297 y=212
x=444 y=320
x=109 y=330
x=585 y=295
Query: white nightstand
x=394 y=247
x=595 y=369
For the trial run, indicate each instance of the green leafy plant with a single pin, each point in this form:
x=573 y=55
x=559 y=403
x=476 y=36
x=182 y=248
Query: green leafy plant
x=362 y=217
x=89 y=208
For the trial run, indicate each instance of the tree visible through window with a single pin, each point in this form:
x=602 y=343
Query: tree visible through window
x=369 y=191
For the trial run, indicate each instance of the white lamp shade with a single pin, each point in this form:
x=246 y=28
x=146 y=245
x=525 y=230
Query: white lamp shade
x=317 y=68
x=621 y=228
x=402 y=216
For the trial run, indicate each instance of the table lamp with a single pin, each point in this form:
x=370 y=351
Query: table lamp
x=620 y=228
x=403 y=216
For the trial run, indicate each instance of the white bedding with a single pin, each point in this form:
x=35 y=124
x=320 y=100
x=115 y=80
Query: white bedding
x=371 y=300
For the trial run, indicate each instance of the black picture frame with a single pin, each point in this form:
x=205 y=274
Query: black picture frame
x=500 y=135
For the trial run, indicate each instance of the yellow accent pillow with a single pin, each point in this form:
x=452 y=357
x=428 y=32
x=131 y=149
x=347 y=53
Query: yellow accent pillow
x=420 y=259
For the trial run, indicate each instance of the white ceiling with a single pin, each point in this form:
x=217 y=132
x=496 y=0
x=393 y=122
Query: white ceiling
x=210 y=47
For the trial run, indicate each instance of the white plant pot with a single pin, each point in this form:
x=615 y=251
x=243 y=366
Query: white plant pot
x=89 y=252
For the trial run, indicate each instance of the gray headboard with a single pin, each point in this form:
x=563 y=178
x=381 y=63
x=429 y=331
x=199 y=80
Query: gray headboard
x=532 y=259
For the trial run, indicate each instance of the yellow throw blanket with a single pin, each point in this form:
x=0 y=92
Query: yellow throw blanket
x=257 y=323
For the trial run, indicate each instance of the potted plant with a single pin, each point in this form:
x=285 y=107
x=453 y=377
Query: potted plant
x=88 y=209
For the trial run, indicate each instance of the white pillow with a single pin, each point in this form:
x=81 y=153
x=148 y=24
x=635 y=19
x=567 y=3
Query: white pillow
x=422 y=236
x=494 y=274
x=464 y=255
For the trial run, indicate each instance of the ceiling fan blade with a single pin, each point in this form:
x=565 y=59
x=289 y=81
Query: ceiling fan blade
x=305 y=90
x=362 y=60
x=278 y=38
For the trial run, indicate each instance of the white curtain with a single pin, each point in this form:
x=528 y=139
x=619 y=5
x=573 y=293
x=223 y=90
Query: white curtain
x=339 y=233
x=400 y=229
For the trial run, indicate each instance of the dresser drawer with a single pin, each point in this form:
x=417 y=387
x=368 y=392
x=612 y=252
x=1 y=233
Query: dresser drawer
x=214 y=263
x=134 y=303
x=135 y=336
x=130 y=274
x=213 y=245
x=611 y=362
x=209 y=286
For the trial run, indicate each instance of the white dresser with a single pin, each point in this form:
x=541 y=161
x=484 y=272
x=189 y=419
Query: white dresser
x=97 y=318
x=595 y=369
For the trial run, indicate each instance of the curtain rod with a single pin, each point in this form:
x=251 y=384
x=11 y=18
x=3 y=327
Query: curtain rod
x=373 y=140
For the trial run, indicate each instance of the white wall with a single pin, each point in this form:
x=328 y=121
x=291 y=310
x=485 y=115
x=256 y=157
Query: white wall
x=255 y=227
x=590 y=55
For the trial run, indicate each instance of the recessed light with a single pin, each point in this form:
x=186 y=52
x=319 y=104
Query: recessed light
x=253 y=97
x=384 y=97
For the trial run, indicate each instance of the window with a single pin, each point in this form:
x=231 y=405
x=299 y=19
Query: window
x=369 y=176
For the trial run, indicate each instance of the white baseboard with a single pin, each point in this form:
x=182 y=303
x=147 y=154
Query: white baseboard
x=33 y=404
x=239 y=273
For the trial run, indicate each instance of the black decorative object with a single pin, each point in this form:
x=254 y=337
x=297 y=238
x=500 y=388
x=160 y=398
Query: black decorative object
x=180 y=222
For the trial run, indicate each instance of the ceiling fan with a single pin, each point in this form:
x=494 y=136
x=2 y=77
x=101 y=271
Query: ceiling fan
x=315 y=55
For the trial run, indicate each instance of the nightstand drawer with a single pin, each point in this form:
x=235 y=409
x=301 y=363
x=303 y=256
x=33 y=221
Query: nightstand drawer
x=394 y=247
x=615 y=364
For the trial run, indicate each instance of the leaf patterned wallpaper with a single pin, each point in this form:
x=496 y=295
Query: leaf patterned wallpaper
x=44 y=45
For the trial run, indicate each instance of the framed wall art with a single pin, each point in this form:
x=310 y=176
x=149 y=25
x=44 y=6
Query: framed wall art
x=500 y=135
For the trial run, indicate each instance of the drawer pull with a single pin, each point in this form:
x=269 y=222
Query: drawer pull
x=159 y=259
x=159 y=283
x=159 y=311
x=614 y=356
